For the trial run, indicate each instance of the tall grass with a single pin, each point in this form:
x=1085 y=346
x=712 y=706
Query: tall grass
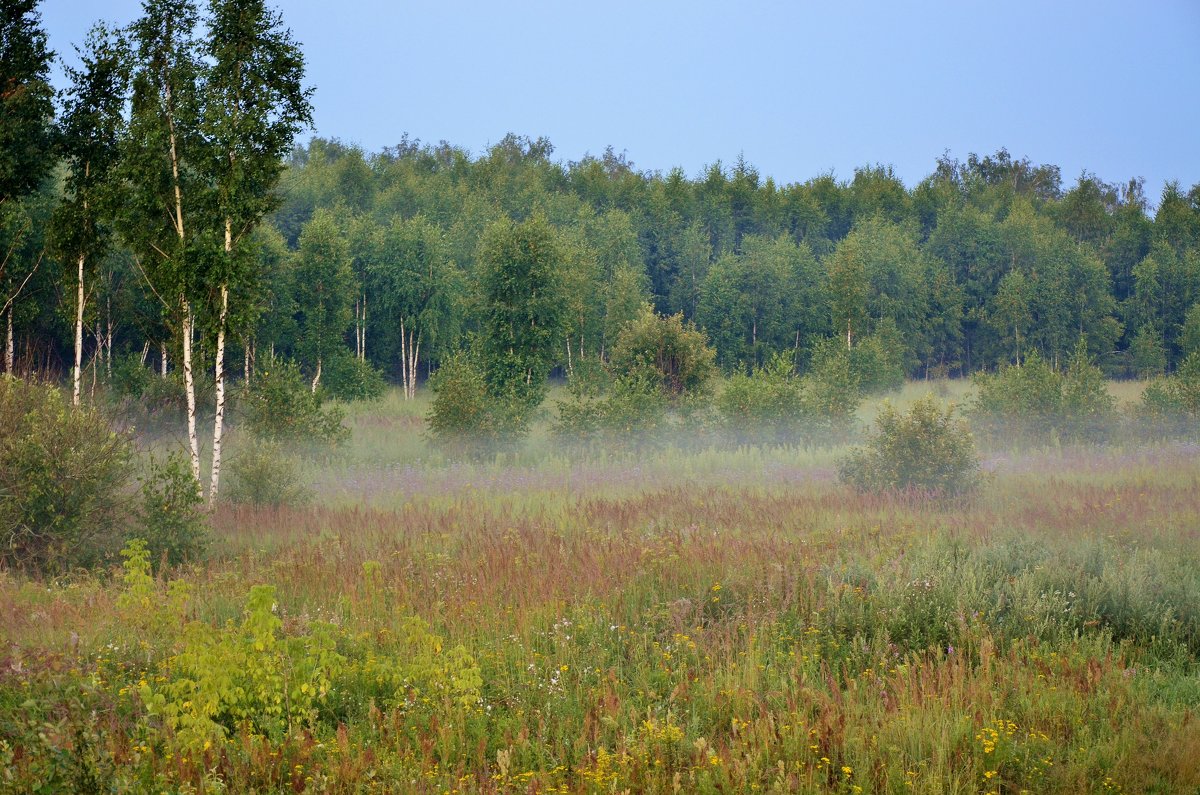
x=718 y=621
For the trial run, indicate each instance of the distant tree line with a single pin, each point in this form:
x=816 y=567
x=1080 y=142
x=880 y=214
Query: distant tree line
x=158 y=210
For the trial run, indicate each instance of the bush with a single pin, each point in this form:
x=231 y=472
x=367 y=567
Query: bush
x=926 y=450
x=281 y=406
x=875 y=362
x=631 y=413
x=666 y=351
x=264 y=474
x=1171 y=406
x=348 y=378
x=1032 y=403
x=832 y=394
x=63 y=474
x=766 y=407
x=466 y=419
x=174 y=526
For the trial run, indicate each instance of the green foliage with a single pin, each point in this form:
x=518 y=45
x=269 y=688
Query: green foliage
x=348 y=378
x=522 y=309
x=172 y=519
x=766 y=407
x=1031 y=403
x=926 y=450
x=63 y=474
x=282 y=407
x=1171 y=406
x=466 y=419
x=630 y=413
x=253 y=677
x=832 y=387
x=664 y=351
x=265 y=473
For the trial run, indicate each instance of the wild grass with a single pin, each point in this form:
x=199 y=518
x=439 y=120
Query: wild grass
x=717 y=621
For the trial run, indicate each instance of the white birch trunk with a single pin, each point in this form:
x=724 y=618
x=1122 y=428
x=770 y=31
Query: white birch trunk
x=404 y=358
x=163 y=349
x=415 y=358
x=317 y=378
x=189 y=387
x=77 y=375
x=219 y=386
x=8 y=345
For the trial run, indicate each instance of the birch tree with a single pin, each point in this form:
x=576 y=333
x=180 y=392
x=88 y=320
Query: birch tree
x=417 y=287
x=254 y=105
x=89 y=138
x=167 y=192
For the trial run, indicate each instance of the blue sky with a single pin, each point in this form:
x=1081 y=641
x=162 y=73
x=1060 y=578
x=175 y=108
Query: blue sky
x=797 y=88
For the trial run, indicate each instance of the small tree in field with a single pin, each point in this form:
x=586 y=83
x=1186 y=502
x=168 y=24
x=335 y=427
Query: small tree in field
x=925 y=450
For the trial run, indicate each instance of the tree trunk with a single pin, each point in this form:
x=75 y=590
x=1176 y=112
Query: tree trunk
x=219 y=384
x=416 y=357
x=8 y=345
x=403 y=358
x=77 y=375
x=189 y=387
x=245 y=364
x=362 y=351
x=317 y=378
x=108 y=333
x=163 y=349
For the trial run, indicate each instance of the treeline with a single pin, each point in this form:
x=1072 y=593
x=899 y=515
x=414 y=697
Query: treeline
x=138 y=222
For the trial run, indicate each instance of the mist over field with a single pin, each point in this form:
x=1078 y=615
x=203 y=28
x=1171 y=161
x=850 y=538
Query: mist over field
x=421 y=469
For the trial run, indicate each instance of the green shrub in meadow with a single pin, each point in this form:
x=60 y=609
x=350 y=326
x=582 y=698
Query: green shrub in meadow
x=63 y=478
x=925 y=450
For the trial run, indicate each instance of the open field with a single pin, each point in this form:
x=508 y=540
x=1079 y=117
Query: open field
x=725 y=621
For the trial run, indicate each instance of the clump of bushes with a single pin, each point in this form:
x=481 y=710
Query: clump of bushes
x=173 y=523
x=467 y=419
x=664 y=350
x=659 y=367
x=1032 y=403
x=265 y=474
x=281 y=406
x=348 y=378
x=1171 y=406
x=63 y=478
x=926 y=450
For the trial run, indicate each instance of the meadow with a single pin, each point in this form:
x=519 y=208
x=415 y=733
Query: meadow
x=673 y=621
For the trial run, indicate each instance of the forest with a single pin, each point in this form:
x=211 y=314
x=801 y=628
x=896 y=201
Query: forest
x=437 y=471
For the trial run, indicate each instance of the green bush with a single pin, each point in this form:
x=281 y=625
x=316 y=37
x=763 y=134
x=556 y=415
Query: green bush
x=281 y=406
x=264 y=474
x=1031 y=403
x=348 y=378
x=466 y=419
x=173 y=524
x=63 y=477
x=926 y=450
x=630 y=414
x=666 y=351
x=832 y=395
x=765 y=407
x=875 y=362
x=1171 y=406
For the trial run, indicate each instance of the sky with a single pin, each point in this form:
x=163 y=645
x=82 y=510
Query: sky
x=796 y=88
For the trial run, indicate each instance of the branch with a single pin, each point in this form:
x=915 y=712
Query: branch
x=28 y=276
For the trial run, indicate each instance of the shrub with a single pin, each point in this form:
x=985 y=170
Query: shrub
x=631 y=413
x=766 y=407
x=264 y=474
x=466 y=419
x=281 y=406
x=1032 y=403
x=831 y=394
x=666 y=351
x=173 y=524
x=926 y=450
x=63 y=474
x=1171 y=406
x=348 y=378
